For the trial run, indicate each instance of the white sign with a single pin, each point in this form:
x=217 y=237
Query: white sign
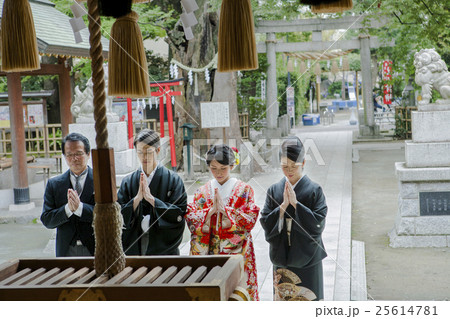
x=215 y=114
x=263 y=90
x=35 y=115
x=290 y=101
x=351 y=93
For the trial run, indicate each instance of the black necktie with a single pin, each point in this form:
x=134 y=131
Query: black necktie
x=78 y=187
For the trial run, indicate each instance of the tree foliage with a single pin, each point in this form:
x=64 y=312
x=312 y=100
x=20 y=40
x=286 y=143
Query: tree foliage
x=414 y=25
x=150 y=18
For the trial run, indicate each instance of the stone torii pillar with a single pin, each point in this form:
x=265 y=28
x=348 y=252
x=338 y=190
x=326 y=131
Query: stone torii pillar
x=316 y=26
x=272 y=109
x=369 y=129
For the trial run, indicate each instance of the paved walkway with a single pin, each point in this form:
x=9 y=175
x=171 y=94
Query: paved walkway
x=329 y=163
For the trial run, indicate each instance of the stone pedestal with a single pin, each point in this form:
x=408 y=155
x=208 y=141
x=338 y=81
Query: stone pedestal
x=124 y=158
x=423 y=218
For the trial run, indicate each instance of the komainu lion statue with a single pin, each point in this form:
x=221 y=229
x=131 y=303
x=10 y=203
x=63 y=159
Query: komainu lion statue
x=431 y=72
x=83 y=105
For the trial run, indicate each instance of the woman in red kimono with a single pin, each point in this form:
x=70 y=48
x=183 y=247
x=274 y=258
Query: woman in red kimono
x=223 y=214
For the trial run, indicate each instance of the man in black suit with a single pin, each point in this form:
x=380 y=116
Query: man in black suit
x=69 y=201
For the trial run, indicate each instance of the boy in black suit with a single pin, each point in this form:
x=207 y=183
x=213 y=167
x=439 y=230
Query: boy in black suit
x=69 y=201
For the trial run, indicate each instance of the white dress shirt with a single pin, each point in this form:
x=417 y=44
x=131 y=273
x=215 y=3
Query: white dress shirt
x=73 y=181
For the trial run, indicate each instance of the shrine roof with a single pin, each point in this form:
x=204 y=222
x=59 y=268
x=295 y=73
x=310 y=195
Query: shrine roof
x=54 y=33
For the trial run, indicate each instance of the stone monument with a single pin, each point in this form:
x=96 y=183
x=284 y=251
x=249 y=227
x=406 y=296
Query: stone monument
x=83 y=110
x=423 y=218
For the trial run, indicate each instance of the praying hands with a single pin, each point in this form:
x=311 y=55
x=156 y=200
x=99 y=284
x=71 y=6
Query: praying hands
x=73 y=200
x=143 y=193
x=218 y=208
x=289 y=198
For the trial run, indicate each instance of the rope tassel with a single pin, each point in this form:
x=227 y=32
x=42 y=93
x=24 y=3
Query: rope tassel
x=108 y=223
x=19 y=44
x=128 y=64
x=237 y=44
x=328 y=6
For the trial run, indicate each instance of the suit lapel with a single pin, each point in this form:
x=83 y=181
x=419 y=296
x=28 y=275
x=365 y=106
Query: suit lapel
x=88 y=188
x=65 y=178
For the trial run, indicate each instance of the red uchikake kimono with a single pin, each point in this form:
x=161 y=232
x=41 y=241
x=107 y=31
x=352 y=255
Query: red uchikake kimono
x=243 y=214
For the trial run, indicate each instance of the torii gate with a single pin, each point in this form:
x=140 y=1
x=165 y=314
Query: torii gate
x=165 y=91
x=364 y=43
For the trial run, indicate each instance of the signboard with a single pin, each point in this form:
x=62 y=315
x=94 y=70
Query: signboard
x=290 y=101
x=4 y=116
x=215 y=114
x=35 y=115
x=263 y=90
x=387 y=75
x=120 y=108
x=352 y=90
x=351 y=93
x=434 y=203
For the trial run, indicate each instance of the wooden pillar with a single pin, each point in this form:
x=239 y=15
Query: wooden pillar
x=44 y=112
x=65 y=96
x=19 y=155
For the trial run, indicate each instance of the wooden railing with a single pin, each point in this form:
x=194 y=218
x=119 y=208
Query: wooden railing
x=243 y=124
x=39 y=140
x=403 y=120
x=46 y=141
x=142 y=124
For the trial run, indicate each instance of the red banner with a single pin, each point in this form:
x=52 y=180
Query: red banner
x=387 y=88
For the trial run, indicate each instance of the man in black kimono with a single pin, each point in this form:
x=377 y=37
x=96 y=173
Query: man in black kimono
x=153 y=201
x=293 y=219
x=69 y=201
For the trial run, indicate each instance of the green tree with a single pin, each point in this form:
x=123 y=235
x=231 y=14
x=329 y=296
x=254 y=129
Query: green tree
x=414 y=24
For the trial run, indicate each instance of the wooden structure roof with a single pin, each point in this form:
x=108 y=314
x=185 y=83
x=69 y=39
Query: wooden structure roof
x=54 y=33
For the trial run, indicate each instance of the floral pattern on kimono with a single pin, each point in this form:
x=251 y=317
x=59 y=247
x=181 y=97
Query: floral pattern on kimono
x=237 y=239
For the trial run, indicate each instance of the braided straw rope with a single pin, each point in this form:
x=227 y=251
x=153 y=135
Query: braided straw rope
x=97 y=75
x=109 y=256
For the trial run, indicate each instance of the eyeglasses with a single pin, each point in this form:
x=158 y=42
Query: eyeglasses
x=73 y=155
x=147 y=152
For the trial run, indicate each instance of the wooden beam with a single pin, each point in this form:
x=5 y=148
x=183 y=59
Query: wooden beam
x=303 y=25
x=46 y=69
x=323 y=46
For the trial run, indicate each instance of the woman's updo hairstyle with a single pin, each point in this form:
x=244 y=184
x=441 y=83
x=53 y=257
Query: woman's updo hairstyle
x=293 y=149
x=221 y=153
